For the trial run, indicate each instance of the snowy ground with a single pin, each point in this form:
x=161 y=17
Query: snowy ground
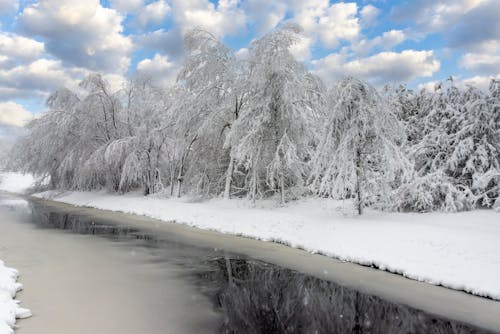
x=15 y=182
x=9 y=308
x=459 y=251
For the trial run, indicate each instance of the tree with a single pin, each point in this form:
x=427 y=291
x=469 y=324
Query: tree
x=360 y=151
x=272 y=139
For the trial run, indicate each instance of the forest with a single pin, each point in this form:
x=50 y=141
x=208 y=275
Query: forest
x=266 y=127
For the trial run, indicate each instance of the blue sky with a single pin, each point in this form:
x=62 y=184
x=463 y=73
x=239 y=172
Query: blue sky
x=47 y=44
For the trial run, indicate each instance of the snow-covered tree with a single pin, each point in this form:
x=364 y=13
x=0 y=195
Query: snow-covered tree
x=360 y=154
x=265 y=126
x=272 y=139
x=456 y=150
x=208 y=77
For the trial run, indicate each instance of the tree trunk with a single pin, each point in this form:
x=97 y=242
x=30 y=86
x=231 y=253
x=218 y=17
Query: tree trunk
x=172 y=181
x=180 y=177
x=254 y=184
x=229 y=178
x=179 y=187
x=282 y=189
x=359 y=181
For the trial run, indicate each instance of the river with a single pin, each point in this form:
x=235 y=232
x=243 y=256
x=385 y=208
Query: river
x=89 y=271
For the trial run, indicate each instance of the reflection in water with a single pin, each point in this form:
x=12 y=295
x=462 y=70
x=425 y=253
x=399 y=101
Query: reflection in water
x=260 y=298
x=257 y=297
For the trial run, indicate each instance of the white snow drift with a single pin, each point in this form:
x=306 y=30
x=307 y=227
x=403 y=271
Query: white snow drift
x=15 y=182
x=9 y=308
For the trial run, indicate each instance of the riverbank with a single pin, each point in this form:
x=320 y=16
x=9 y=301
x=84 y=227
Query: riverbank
x=9 y=307
x=455 y=250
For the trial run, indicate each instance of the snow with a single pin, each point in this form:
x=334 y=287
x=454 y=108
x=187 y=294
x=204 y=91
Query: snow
x=457 y=250
x=16 y=182
x=9 y=308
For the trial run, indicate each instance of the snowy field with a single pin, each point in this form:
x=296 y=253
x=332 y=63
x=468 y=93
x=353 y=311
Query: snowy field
x=9 y=308
x=460 y=251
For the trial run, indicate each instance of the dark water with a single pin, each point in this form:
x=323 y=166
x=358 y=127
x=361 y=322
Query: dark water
x=258 y=297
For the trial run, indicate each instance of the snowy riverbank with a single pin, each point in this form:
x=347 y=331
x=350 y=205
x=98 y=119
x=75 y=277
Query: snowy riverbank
x=9 y=308
x=456 y=250
x=459 y=251
x=15 y=182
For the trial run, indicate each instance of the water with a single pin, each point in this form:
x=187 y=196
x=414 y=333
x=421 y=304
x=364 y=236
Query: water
x=106 y=276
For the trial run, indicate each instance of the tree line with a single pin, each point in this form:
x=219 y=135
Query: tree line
x=266 y=126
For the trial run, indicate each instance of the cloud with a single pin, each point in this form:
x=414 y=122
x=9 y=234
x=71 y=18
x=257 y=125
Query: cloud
x=434 y=15
x=481 y=63
x=159 y=69
x=480 y=82
x=153 y=13
x=38 y=78
x=80 y=33
x=369 y=15
x=8 y=6
x=265 y=14
x=381 y=68
x=477 y=29
x=15 y=48
x=127 y=6
x=167 y=42
x=386 y=41
x=329 y=23
x=13 y=114
x=242 y=54
x=468 y=24
x=227 y=18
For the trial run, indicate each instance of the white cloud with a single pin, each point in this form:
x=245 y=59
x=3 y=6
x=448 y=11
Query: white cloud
x=380 y=68
x=166 y=42
x=38 y=78
x=8 y=6
x=224 y=19
x=81 y=33
x=480 y=82
x=19 y=48
x=159 y=69
x=386 y=41
x=242 y=54
x=330 y=23
x=481 y=63
x=478 y=29
x=429 y=86
x=153 y=13
x=127 y=6
x=434 y=15
x=369 y=15
x=13 y=114
x=265 y=14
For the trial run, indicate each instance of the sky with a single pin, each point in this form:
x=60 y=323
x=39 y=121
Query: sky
x=48 y=44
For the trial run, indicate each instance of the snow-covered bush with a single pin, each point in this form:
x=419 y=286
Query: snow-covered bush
x=432 y=192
